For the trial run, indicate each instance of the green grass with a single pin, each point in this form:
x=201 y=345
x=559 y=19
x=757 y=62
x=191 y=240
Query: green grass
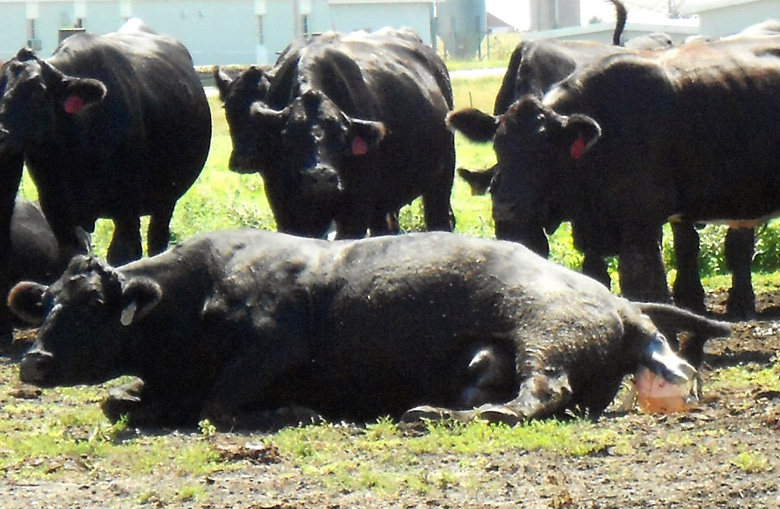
x=69 y=434
x=752 y=462
x=221 y=199
x=748 y=377
x=335 y=455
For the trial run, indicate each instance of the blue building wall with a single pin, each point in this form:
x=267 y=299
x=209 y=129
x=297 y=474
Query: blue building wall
x=215 y=31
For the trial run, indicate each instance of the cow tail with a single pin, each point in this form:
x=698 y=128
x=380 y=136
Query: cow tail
x=672 y=320
x=621 y=15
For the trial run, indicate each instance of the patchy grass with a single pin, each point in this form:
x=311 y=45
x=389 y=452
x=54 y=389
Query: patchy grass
x=748 y=377
x=384 y=458
x=752 y=463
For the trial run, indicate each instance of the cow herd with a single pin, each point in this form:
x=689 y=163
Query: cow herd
x=242 y=327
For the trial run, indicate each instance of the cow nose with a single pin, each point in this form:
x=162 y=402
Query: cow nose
x=35 y=366
x=241 y=163
x=324 y=178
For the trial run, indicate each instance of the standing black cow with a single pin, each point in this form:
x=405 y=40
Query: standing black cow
x=739 y=245
x=114 y=126
x=32 y=255
x=537 y=66
x=347 y=128
x=635 y=140
x=230 y=325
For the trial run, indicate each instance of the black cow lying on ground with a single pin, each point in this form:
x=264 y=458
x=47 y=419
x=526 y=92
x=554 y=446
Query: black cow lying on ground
x=32 y=256
x=114 y=126
x=635 y=140
x=232 y=325
x=346 y=128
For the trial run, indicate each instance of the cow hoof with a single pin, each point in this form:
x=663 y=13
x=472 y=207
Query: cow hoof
x=425 y=413
x=497 y=414
x=115 y=408
x=265 y=420
x=122 y=400
x=741 y=313
x=297 y=416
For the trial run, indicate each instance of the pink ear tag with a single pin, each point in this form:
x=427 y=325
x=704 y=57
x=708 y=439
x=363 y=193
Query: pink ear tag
x=577 y=149
x=73 y=104
x=359 y=146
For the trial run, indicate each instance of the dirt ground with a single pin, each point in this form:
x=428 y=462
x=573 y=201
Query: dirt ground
x=709 y=469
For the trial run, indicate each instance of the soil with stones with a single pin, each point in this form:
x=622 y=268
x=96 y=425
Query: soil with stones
x=731 y=458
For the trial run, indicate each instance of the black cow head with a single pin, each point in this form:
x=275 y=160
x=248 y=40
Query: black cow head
x=36 y=97
x=304 y=151
x=83 y=319
x=238 y=97
x=535 y=146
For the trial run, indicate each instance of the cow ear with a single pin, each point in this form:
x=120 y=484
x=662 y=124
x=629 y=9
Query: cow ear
x=473 y=124
x=25 y=54
x=139 y=296
x=479 y=181
x=25 y=300
x=79 y=93
x=580 y=133
x=72 y=93
x=365 y=135
x=223 y=82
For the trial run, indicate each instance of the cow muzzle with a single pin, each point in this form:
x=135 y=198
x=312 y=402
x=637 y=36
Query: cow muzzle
x=533 y=238
x=36 y=367
x=664 y=362
x=242 y=163
x=665 y=382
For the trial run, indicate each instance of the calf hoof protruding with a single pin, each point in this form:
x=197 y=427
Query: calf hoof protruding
x=426 y=413
x=498 y=414
x=122 y=400
x=272 y=420
x=298 y=416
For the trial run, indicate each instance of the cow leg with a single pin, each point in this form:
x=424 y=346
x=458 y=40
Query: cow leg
x=687 y=290
x=143 y=407
x=6 y=325
x=70 y=238
x=354 y=219
x=436 y=199
x=541 y=395
x=739 y=249
x=384 y=223
x=641 y=267
x=595 y=266
x=438 y=212
x=126 y=243
x=272 y=420
x=245 y=384
x=159 y=233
